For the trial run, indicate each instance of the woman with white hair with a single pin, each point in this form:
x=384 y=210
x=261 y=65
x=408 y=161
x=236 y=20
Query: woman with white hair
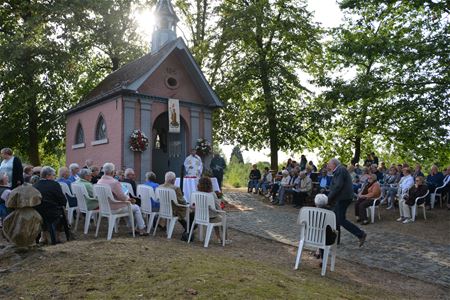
x=116 y=188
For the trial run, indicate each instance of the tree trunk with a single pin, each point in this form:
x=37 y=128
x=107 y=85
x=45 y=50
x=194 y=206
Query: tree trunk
x=115 y=61
x=33 y=135
x=268 y=96
x=31 y=102
x=357 y=155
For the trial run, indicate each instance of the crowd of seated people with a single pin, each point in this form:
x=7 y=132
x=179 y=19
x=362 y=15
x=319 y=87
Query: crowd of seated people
x=392 y=185
x=54 y=201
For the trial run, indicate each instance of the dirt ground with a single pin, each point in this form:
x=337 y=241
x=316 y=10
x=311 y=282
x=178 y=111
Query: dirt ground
x=22 y=271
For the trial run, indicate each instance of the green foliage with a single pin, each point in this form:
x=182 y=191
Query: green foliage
x=262 y=47
x=52 y=54
x=236 y=173
x=398 y=98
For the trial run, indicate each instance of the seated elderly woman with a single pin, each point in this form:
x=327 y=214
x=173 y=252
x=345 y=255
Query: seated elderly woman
x=53 y=201
x=370 y=192
x=85 y=179
x=151 y=181
x=409 y=199
x=390 y=187
x=123 y=200
x=205 y=185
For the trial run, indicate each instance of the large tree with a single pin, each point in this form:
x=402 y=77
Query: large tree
x=51 y=54
x=386 y=75
x=262 y=47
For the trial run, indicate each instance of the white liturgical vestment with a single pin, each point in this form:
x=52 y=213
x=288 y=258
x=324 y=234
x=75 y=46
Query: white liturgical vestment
x=193 y=166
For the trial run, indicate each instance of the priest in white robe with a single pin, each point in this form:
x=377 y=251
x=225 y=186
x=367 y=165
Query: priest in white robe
x=193 y=164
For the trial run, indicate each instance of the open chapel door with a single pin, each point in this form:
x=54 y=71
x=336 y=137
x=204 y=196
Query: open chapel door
x=169 y=149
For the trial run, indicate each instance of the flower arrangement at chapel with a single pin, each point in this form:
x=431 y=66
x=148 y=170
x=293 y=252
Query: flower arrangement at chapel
x=203 y=147
x=138 y=141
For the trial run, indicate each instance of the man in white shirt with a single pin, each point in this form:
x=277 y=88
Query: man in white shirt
x=193 y=164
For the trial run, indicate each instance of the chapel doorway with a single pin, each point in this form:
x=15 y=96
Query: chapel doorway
x=169 y=149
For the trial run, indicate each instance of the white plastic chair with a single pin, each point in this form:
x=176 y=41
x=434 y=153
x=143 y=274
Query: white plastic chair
x=104 y=195
x=437 y=194
x=203 y=203
x=166 y=196
x=414 y=207
x=70 y=210
x=371 y=209
x=314 y=222
x=146 y=193
x=129 y=188
x=80 y=192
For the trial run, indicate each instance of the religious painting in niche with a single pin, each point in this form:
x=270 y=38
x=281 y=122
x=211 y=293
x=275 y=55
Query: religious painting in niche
x=100 y=131
x=174 y=116
x=79 y=135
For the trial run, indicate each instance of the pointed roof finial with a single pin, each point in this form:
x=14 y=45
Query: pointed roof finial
x=164 y=8
x=165 y=25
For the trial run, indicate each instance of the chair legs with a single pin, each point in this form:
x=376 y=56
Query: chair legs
x=171 y=227
x=333 y=257
x=299 y=254
x=76 y=220
x=208 y=235
x=190 y=231
x=326 y=252
x=111 y=225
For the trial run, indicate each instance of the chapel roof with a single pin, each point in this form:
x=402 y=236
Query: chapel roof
x=131 y=75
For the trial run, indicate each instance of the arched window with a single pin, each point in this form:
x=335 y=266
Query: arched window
x=79 y=135
x=100 y=130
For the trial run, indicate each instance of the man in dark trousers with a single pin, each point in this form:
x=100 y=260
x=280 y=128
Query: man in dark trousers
x=341 y=194
x=218 y=166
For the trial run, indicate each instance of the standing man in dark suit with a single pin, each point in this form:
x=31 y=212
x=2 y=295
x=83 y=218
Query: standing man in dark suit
x=341 y=194
x=12 y=166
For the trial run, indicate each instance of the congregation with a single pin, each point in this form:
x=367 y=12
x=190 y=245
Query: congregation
x=397 y=186
x=58 y=194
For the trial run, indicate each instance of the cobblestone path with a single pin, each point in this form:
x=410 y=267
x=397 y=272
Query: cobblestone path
x=389 y=251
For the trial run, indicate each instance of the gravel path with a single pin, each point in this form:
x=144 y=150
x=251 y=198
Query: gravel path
x=389 y=251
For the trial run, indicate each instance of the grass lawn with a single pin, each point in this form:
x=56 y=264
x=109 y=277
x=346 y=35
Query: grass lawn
x=145 y=268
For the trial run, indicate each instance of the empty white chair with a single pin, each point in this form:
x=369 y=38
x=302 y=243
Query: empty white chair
x=414 y=207
x=437 y=194
x=371 y=210
x=313 y=222
x=203 y=203
x=166 y=196
x=129 y=189
x=146 y=193
x=70 y=210
x=104 y=195
x=80 y=192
